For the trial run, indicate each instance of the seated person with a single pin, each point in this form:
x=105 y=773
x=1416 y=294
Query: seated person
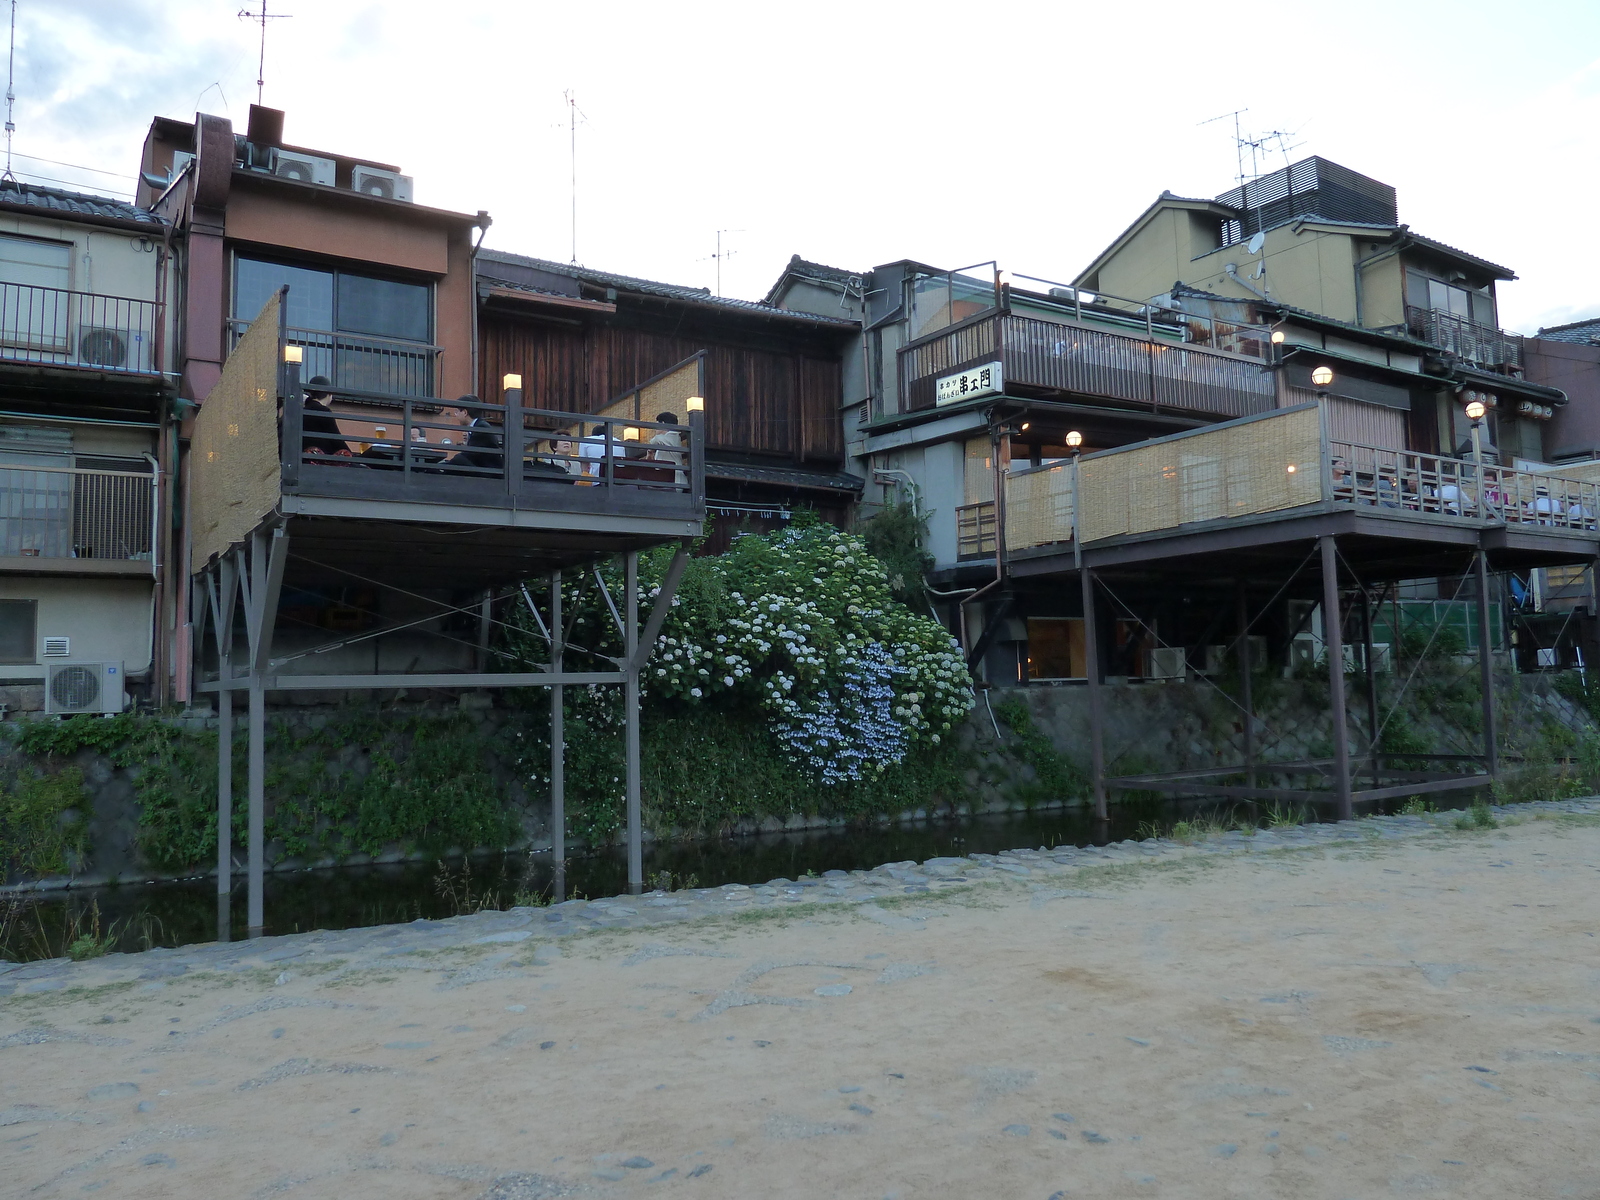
x=668 y=448
x=485 y=445
x=1542 y=509
x=318 y=425
x=1343 y=485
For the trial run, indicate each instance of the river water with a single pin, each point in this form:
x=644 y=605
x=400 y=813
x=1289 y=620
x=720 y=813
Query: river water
x=182 y=912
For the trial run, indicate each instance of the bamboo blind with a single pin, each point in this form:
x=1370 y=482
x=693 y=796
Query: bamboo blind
x=670 y=394
x=979 y=470
x=1260 y=466
x=1039 y=507
x=235 y=474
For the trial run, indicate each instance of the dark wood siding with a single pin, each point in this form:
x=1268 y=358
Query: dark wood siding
x=759 y=400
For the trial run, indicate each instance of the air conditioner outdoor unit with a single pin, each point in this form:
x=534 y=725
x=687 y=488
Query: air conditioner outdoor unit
x=391 y=185
x=115 y=349
x=83 y=688
x=307 y=168
x=1302 y=652
x=1167 y=662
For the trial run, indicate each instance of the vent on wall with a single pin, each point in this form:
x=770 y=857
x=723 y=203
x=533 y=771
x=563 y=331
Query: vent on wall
x=370 y=181
x=83 y=688
x=57 y=647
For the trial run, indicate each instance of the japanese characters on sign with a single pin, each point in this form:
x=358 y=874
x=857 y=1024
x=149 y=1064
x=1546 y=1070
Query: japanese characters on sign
x=984 y=380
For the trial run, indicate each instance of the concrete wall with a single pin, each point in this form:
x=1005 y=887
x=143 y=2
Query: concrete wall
x=107 y=619
x=1574 y=432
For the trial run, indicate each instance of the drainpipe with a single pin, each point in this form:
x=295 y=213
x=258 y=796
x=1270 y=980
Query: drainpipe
x=1232 y=272
x=157 y=668
x=484 y=222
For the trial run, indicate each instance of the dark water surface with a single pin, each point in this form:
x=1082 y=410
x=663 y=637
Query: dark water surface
x=185 y=911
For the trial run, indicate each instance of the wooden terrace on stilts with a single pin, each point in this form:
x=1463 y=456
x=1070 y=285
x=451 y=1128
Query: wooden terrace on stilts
x=404 y=510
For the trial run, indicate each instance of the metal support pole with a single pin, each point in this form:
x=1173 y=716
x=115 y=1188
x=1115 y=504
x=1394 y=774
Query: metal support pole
x=1372 y=685
x=1091 y=669
x=258 y=775
x=631 y=703
x=1491 y=749
x=1333 y=642
x=1245 y=667
x=558 y=750
x=485 y=624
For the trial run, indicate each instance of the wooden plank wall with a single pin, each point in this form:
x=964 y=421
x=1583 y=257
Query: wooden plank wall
x=757 y=401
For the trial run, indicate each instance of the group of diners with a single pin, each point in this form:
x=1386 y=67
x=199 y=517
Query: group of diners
x=471 y=441
x=1389 y=486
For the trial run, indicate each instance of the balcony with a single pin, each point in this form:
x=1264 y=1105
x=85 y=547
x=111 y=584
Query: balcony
x=1161 y=369
x=431 y=492
x=58 y=520
x=387 y=366
x=1262 y=468
x=1482 y=345
x=52 y=327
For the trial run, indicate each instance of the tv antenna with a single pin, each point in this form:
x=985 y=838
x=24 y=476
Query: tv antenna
x=722 y=254
x=260 y=18
x=574 y=113
x=11 y=95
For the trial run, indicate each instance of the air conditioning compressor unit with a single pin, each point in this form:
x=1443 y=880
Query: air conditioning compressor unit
x=77 y=687
x=372 y=181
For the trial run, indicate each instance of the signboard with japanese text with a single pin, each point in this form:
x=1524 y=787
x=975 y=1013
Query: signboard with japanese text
x=984 y=380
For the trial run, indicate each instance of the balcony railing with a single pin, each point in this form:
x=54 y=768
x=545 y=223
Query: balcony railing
x=60 y=512
x=359 y=363
x=1079 y=358
x=59 y=328
x=1273 y=463
x=1483 y=345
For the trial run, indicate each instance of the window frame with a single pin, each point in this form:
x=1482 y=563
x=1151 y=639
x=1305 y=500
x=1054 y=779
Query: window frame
x=337 y=271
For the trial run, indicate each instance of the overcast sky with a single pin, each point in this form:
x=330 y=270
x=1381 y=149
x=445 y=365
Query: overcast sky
x=863 y=132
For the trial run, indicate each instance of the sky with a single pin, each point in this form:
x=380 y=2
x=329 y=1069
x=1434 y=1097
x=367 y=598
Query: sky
x=863 y=132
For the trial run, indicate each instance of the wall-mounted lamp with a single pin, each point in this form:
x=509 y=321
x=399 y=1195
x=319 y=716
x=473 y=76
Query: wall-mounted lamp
x=1322 y=376
x=695 y=404
x=293 y=354
x=1277 y=337
x=1074 y=439
x=1026 y=425
x=511 y=382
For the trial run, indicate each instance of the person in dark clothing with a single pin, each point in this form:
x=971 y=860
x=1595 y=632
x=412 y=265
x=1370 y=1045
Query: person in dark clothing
x=321 y=430
x=485 y=443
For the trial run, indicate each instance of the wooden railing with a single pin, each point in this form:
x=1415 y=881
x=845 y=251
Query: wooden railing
x=975 y=527
x=63 y=512
x=56 y=327
x=1079 y=358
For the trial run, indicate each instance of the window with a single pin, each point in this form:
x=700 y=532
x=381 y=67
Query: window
x=348 y=324
x=19 y=622
x=1452 y=299
x=30 y=317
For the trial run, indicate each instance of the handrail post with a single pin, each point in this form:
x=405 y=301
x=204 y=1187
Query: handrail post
x=697 y=455
x=512 y=440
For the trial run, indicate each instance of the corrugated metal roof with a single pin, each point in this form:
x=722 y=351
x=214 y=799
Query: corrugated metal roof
x=652 y=287
x=58 y=203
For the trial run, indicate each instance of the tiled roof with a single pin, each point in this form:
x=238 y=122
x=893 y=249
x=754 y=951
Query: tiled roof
x=839 y=481
x=651 y=287
x=59 y=203
x=800 y=268
x=1580 y=332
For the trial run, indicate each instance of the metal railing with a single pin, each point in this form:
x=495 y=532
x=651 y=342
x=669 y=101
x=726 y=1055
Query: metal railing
x=443 y=445
x=1481 y=344
x=62 y=512
x=56 y=327
x=1066 y=356
x=358 y=363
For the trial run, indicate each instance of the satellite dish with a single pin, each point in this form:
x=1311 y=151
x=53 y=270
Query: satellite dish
x=1256 y=242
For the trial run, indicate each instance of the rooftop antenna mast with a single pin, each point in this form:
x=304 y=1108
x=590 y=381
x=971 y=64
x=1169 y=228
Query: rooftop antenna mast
x=11 y=95
x=260 y=18
x=1239 y=141
x=722 y=254
x=573 y=113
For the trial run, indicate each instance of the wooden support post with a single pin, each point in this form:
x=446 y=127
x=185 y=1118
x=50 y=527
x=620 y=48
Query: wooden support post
x=1372 y=685
x=485 y=626
x=1245 y=667
x=631 y=703
x=268 y=555
x=558 y=750
x=1333 y=642
x=1091 y=670
x=1491 y=749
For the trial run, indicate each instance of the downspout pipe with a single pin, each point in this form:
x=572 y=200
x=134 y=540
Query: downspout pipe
x=157 y=670
x=483 y=223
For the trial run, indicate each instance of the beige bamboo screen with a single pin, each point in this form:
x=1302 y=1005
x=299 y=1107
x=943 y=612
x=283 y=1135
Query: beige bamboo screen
x=670 y=394
x=235 y=476
x=1039 y=507
x=979 y=470
x=1257 y=466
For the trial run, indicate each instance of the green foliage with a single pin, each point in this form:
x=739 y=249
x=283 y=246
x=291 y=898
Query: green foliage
x=1056 y=777
x=1582 y=688
x=41 y=822
x=895 y=535
x=1477 y=817
x=1416 y=806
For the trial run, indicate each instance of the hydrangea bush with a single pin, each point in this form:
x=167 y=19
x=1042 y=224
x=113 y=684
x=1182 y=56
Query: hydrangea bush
x=799 y=627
